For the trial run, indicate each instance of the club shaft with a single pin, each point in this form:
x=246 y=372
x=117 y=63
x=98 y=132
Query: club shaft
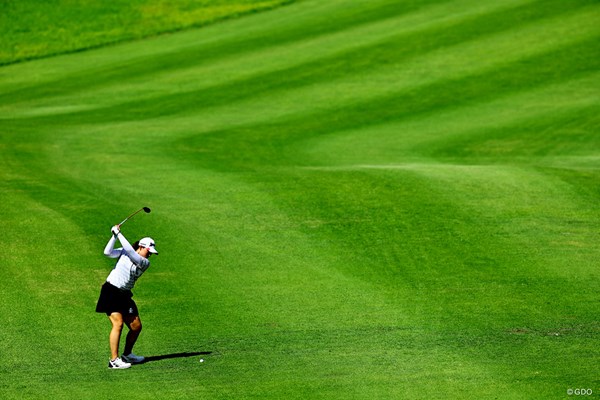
x=125 y=220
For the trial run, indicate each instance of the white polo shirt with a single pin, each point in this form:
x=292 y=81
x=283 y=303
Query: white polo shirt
x=130 y=265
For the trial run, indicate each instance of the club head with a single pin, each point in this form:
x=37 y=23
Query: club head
x=146 y=209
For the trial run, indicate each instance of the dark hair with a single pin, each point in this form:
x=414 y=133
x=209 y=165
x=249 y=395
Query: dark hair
x=136 y=245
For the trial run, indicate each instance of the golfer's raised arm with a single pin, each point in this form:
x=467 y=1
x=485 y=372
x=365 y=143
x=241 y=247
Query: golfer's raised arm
x=109 y=250
x=128 y=248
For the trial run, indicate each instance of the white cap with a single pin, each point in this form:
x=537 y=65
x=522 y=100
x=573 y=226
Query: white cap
x=148 y=243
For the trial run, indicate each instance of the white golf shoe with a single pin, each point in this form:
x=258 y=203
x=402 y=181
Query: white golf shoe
x=118 y=363
x=133 y=359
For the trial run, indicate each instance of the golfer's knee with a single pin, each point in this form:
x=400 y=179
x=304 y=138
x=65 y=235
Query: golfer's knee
x=116 y=321
x=117 y=325
x=136 y=325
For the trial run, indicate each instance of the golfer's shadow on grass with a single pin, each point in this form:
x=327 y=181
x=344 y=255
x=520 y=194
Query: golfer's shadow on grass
x=176 y=355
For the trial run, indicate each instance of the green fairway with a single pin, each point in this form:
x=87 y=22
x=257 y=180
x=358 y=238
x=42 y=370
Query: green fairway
x=352 y=199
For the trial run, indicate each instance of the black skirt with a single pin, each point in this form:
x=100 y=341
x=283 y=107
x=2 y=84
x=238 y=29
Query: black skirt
x=112 y=299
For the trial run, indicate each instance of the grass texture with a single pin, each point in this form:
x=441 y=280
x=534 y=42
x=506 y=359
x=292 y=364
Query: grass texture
x=32 y=29
x=352 y=200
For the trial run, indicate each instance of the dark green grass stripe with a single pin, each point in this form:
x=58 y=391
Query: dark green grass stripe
x=49 y=189
x=202 y=54
x=563 y=132
x=27 y=168
x=585 y=182
x=266 y=140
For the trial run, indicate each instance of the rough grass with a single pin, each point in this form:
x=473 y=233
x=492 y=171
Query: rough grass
x=34 y=29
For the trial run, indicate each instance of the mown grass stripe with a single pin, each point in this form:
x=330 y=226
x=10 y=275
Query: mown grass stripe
x=433 y=98
x=195 y=100
x=198 y=49
x=440 y=36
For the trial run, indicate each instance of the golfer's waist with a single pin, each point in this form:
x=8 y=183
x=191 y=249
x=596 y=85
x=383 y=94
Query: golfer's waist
x=115 y=287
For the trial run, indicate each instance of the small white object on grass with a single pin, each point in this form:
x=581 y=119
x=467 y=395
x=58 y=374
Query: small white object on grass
x=202 y=360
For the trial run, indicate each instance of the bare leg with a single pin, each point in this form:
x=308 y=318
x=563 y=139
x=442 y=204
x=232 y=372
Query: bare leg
x=115 y=334
x=135 y=328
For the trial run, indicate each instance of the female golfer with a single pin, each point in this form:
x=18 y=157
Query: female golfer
x=116 y=297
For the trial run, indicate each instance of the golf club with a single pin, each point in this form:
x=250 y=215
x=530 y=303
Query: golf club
x=146 y=210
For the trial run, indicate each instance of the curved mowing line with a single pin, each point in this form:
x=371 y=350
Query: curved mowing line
x=406 y=39
x=426 y=135
x=266 y=146
x=372 y=84
x=204 y=46
x=266 y=138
